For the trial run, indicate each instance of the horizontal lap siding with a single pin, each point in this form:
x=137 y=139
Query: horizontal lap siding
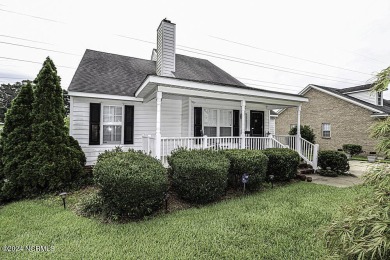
x=184 y=117
x=144 y=123
x=367 y=96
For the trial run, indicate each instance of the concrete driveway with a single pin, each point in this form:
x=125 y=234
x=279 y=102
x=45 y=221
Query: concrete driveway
x=357 y=169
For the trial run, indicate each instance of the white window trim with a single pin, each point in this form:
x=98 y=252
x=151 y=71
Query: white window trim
x=218 y=120
x=102 y=123
x=322 y=131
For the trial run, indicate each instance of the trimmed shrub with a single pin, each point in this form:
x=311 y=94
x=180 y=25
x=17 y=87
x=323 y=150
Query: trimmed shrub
x=109 y=153
x=352 y=149
x=282 y=163
x=337 y=161
x=306 y=133
x=252 y=162
x=132 y=184
x=90 y=206
x=199 y=176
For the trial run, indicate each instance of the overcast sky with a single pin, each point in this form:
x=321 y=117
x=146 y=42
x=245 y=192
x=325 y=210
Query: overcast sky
x=275 y=45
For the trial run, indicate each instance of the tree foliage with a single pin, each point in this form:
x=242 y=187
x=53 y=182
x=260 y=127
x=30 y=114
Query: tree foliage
x=306 y=133
x=381 y=130
x=362 y=231
x=53 y=162
x=7 y=93
x=15 y=139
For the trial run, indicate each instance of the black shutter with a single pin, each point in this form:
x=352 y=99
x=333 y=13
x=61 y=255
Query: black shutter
x=236 y=122
x=94 y=123
x=197 y=121
x=129 y=125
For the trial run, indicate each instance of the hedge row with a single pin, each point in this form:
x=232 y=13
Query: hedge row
x=134 y=185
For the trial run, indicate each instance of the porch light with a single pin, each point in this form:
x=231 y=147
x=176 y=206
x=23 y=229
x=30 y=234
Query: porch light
x=244 y=180
x=271 y=179
x=63 y=197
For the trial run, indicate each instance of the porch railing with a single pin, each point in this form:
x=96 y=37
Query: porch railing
x=148 y=144
x=307 y=150
x=289 y=140
x=169 y=144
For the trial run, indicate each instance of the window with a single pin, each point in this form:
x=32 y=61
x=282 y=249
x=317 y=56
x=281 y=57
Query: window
x=112 y=124
x=225 y=123
x=210 y=122
x=379 y=100
x=326 y=130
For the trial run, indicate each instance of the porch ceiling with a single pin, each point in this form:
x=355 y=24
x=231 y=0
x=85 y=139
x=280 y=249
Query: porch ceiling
x=175 y=88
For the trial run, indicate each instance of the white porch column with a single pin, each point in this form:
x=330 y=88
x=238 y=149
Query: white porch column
x=158 y=125
x=243 y=123
x=298 y=138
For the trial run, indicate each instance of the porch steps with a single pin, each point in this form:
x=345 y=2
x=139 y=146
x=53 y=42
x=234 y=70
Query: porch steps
x=303 y=170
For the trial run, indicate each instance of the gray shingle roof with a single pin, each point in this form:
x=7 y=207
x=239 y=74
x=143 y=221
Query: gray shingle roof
x=105 y=73
x=357 y=88
x=386 y=104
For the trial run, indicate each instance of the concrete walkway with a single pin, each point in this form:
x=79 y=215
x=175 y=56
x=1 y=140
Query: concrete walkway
x=357 y=169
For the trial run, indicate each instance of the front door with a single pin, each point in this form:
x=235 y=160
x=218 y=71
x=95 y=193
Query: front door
x=257 y=123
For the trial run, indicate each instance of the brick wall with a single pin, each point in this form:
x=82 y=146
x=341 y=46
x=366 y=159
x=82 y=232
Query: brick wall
x=349 y=122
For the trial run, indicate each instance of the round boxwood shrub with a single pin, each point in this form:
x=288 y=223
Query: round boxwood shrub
x=352 y=149
x=132 y=184
x=282 y=163
x=252 y=162
x=199 y=176
x=335 y=160
x=306 y=133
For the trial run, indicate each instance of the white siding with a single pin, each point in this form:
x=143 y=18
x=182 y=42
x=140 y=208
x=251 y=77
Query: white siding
x=367 y=96
x=144 y=122
x=166 y=49
x=272 y=125
x=185 y=116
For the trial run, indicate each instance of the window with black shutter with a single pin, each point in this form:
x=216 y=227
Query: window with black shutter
x=94 y=124
x=129 y=125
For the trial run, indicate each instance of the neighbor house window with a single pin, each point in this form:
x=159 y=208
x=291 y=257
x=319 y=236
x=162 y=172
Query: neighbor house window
x=210 y=122
x=326 y=130
x=225 y=123
x=379 y=97
x=112 y=124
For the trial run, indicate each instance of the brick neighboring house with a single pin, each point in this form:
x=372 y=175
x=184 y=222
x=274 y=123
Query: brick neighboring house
x=338 y=116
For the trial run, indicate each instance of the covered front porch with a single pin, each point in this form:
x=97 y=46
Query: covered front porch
x=218 y=117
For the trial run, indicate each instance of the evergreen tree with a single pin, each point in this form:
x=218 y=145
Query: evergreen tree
x=15 y=139
x=53 y=160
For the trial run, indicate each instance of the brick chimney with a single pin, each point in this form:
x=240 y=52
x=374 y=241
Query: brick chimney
x=166 y=49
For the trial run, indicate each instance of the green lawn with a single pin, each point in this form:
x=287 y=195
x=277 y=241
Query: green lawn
x=281 y=223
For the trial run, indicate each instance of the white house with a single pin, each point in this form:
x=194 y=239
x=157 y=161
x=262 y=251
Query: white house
x=169 y=101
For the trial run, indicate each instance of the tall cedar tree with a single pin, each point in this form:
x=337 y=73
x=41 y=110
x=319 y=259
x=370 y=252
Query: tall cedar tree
x=15 y=139
x=56 y=158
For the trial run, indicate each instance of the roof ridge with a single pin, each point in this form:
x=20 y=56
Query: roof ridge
x=121 y=55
